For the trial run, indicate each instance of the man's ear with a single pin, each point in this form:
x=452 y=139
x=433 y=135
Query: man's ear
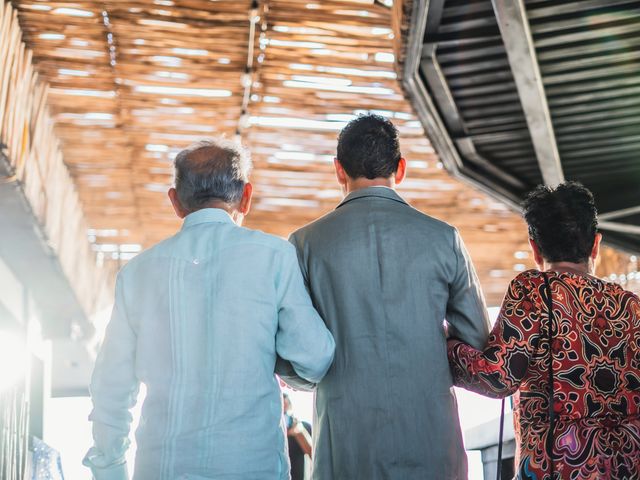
x=181 y=212
x=245 y=201
x=595 y=251
x=537 y=255
x=341 y=175
x=401 y=172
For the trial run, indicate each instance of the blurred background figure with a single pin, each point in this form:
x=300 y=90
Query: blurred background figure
x=299 y=440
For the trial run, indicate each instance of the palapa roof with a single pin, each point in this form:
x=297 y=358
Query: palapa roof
x=133 y=82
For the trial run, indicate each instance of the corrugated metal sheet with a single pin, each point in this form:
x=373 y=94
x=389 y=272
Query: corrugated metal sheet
x=588 y=54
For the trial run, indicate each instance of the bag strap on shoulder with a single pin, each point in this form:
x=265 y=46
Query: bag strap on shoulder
x=500 y=437
x=552 y=416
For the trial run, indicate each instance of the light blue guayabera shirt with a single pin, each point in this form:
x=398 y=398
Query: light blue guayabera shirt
x=200 y=320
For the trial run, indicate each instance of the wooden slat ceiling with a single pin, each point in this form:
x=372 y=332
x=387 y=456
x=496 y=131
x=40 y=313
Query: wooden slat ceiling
x=132 y=82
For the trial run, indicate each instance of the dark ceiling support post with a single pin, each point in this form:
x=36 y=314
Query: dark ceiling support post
x=516 y=34
x=248 y=77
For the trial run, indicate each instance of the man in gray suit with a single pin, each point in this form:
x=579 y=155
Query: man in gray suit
x=385 y=278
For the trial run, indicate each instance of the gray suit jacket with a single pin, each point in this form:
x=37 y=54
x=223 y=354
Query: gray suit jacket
x=384 y=277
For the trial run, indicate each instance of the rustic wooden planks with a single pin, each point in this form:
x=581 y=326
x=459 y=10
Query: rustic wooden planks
x=317 y=63
x=33 y=150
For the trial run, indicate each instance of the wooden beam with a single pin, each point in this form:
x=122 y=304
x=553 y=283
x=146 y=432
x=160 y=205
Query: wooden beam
x=397 y=18
x=421 y=100
x=619 y=213
x=620 y=227
x=468 y=149
x=516 y=34
x=425 y=20
x=6 y=171
x=453 y=119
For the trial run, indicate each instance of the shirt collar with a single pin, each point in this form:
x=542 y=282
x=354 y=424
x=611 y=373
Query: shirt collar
x=388 y=193
x=207 y=215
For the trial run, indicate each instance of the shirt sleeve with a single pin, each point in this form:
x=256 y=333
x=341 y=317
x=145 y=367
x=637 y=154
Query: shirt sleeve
x=114 y=391
x=302 y=338
x=498 y=370
x=466 y=315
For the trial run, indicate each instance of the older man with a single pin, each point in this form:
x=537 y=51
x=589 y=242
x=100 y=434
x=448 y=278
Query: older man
x=200 y=320
x=384 y=277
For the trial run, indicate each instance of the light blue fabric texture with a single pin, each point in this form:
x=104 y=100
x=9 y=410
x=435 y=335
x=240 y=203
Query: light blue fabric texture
x=200 y=319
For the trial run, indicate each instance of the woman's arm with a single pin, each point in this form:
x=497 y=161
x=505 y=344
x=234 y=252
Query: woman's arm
x=499 y=369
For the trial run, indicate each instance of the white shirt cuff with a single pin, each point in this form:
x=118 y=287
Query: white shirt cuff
x=104 y=468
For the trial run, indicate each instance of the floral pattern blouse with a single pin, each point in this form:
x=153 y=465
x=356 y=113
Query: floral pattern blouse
x=596 y=363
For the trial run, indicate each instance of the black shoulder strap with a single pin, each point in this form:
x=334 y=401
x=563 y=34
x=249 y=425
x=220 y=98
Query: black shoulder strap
x=500 y=437
x=552 y=417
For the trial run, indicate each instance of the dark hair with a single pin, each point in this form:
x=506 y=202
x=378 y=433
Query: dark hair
x=562 y=221
x=211 y=170
x=369 y=147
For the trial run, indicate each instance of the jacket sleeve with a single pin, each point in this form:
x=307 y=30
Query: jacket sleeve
x=114 y=391
x=288 y=375
x=466 y=310
x=302 y=338
x=498 y=370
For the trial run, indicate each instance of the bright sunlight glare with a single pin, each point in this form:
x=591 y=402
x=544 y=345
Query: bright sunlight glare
x=12 y=359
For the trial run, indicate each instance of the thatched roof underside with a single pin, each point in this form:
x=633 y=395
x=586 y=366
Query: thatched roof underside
x=132 y=82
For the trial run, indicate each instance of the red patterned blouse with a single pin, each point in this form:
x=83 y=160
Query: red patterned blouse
x=596 y=362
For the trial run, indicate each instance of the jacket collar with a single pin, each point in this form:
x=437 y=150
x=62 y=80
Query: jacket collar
x=380 y=192
x=207 y=215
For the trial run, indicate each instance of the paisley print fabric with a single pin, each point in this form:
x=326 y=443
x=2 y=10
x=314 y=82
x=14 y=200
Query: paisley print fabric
x=596 y=362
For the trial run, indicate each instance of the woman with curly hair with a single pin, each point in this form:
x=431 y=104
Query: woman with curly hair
x=564 y=334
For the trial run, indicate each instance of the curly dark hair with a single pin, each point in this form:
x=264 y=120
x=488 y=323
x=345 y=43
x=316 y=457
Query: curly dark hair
x=563 y=221
x=369 y=147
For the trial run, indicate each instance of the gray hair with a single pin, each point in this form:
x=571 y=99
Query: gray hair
x=211 y=170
